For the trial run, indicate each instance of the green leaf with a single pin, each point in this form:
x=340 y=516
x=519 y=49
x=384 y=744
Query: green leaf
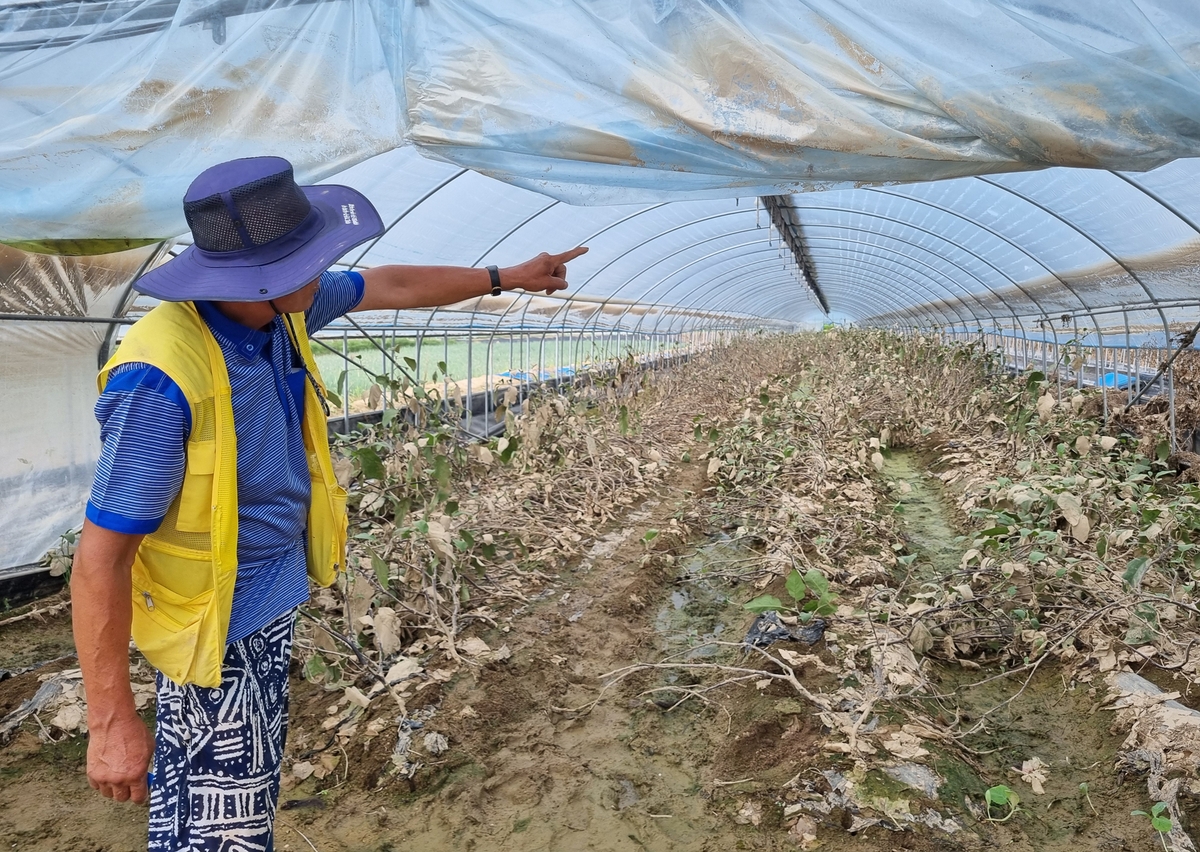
x=1161 y=824
x=369 y=463
x=381 y=570
x=795 y=586
x=315 y=669
x=650 y=536
x=441 y=472
x=333 y=399
x=764 y=603
x=995 y=531
x=411 y=362
x=623 y=420
x=1158 y=808
x=441 y=365
x=816 y=581
x=1102 y=546
x=1135 y=571
x=1001 y=795
x=402 y=507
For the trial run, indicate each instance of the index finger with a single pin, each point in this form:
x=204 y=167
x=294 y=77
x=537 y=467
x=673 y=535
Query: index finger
x=570 y=254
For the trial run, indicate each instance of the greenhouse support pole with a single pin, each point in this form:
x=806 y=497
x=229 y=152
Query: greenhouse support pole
x=470 y=372
x=420 y=348
x=1057 y=362
x=1128 y=364
x=1171 y=401
x=1103 y=376
x=346 y=388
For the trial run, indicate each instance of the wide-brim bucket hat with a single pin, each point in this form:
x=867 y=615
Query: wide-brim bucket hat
x=258 y=235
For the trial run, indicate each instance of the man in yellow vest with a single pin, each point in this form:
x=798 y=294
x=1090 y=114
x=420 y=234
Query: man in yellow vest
x=215 y=503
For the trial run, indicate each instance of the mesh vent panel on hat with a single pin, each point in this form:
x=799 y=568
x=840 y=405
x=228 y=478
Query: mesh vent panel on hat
x=268 y=208
x=212 y=226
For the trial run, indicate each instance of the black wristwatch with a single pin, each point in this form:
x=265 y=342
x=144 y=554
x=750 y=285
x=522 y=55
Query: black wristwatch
x=495 y=275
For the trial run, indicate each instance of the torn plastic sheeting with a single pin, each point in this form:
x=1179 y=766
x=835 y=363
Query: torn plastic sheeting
x=592 y=102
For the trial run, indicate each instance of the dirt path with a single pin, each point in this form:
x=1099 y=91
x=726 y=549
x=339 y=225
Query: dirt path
x=625 y=776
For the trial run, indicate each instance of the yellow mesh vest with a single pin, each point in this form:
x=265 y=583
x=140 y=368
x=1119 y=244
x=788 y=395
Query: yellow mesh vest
x=184 y=572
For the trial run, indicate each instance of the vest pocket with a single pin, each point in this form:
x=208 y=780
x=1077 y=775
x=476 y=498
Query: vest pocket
x=327 y=522
x=166 y=625
x=196 y=495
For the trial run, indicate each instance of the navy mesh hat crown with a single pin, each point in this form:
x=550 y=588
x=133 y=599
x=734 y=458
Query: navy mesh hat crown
x=250 y=215
x=257 y=235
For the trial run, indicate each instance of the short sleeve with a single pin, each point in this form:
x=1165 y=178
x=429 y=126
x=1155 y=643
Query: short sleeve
x=144 y=423
x=340 y=293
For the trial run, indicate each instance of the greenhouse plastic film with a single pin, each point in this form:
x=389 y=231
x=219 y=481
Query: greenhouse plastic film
x=111 y=108
x=49 y=435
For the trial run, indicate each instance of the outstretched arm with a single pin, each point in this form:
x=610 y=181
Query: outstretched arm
x=119 y=746
x=398 y=287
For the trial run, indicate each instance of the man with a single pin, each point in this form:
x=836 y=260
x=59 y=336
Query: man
x=214 y=501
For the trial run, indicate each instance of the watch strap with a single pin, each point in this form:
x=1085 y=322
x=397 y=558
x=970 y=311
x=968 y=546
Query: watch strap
x=494 y=273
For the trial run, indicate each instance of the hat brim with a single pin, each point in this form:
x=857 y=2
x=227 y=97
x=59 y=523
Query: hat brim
x=348 y=220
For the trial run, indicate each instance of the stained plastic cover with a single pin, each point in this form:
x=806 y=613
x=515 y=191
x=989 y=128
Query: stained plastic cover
x=111 y=106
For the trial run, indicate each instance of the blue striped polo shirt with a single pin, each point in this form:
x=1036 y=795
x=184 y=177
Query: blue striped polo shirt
x=144 y=425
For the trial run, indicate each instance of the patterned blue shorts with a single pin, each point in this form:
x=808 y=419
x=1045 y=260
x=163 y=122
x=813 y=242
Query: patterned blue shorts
x=217 y=752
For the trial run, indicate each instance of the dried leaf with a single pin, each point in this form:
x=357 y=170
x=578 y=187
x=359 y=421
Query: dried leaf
x=1071 y=509
x=404 y=667
x=920 y=638
x=387 y=631
x=473 y=647
x=356 y=696
x=1081 y=530
x=439 y=539
x=1034 y=773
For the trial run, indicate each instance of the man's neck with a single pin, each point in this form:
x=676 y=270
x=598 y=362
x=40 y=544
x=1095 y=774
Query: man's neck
x=257 y=315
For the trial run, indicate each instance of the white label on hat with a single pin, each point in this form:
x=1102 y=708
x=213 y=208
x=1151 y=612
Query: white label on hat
x=348 y=214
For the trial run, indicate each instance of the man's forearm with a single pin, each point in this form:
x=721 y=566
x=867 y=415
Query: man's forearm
x=400 y=287
x=119 y=747
x=101 y=614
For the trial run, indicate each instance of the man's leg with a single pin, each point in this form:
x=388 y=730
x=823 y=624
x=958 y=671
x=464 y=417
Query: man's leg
x=218 y=752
